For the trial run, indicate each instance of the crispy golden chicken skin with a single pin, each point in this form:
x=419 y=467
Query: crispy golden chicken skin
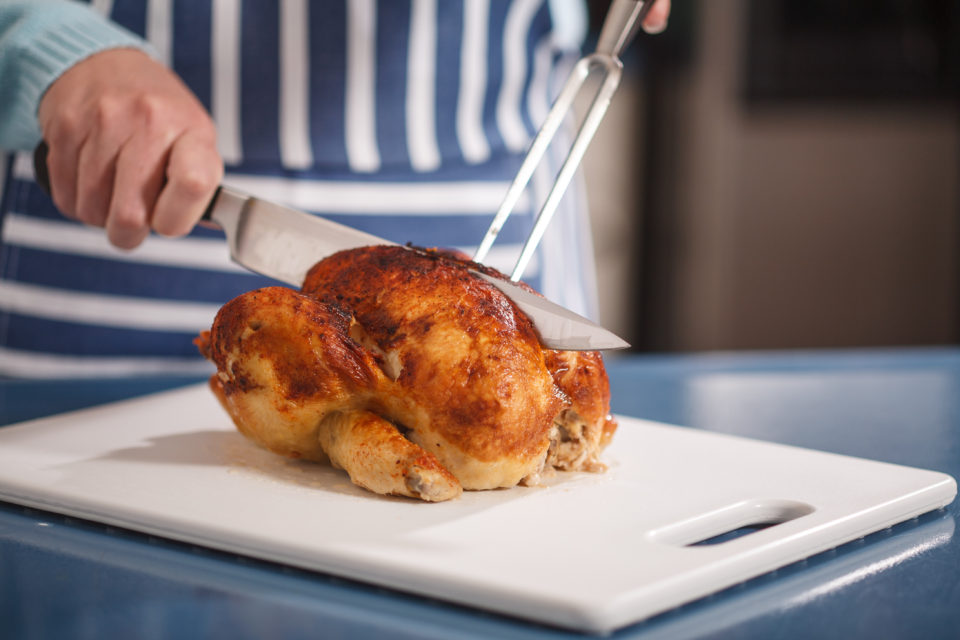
x=410 y=373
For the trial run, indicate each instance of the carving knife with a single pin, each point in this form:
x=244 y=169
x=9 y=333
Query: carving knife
x=284 y=243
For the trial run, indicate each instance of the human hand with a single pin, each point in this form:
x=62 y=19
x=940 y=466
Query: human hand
x=656 y=20
x=130 y=147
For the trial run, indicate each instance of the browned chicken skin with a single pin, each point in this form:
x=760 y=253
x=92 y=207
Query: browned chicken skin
x=410 y=373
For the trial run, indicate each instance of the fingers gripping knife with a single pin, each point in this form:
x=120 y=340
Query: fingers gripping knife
x=620 y=26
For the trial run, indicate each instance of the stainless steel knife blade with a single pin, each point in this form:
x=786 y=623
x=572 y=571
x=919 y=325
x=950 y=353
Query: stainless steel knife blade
x=284 y=243
x=558 y=327
x=277 y=241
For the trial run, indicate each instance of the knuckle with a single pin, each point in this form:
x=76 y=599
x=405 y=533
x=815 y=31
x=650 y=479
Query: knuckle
x=172 y=227
x=196 y=183
x=149 y=108
x=157 y=119
x=205 y=127
x=126 y=218
x=107 y=110
x=63 y=129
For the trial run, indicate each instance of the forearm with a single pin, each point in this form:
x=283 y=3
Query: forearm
x=39 y=40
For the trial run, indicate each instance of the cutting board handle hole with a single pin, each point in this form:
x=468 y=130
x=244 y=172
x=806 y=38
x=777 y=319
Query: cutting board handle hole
x=729 y=523
x=733 y=534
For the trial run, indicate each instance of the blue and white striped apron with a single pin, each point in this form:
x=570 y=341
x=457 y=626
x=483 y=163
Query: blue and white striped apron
x=403 y=118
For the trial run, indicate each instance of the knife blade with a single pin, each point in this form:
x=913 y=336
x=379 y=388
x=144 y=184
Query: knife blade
x=284 y=243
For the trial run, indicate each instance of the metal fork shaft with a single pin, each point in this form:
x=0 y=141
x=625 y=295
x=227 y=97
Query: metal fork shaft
x=619 y=28
x=561 y=107
x=614 y=71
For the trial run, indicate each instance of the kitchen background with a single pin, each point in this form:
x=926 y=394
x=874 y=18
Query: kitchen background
x=782 y=174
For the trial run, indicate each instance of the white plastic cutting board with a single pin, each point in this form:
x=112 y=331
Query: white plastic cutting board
x=589 y=552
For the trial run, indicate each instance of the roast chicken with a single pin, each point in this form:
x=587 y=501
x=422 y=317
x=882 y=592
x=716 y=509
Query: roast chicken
x=410 y=373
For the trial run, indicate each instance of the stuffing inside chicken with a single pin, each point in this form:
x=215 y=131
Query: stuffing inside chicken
x=409 y=372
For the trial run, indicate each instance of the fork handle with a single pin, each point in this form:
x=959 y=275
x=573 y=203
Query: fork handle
x=620 y=26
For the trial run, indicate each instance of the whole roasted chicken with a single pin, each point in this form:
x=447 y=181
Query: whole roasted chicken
x=410 y=373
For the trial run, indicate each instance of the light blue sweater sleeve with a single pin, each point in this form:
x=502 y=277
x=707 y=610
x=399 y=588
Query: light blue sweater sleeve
x=39 y=40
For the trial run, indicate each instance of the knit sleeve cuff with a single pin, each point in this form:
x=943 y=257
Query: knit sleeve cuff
x=49 y=39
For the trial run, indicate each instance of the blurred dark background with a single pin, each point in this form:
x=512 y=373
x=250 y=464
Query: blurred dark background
x=783 y=174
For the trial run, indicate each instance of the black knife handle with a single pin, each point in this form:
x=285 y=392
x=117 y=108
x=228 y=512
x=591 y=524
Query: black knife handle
x=208 y=212
x=42 y=176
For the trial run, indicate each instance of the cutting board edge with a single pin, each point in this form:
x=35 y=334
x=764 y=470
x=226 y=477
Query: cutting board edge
x=590 y=615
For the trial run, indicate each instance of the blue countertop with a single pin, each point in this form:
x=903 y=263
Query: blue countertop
x=65 y=578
